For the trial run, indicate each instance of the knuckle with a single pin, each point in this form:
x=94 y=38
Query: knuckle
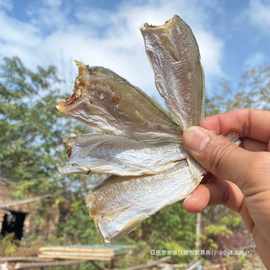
x=219 y=153
x=258 y=174
x=260 y=164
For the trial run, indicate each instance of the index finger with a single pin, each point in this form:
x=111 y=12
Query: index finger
x=248 y=123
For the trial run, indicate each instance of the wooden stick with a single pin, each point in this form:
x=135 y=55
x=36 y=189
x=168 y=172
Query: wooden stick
x=24 y=259
x=9 y=204
x=76 y=257
x=194 y=265
x=149 y=264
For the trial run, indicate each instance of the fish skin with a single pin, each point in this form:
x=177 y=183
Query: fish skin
x=174 y=55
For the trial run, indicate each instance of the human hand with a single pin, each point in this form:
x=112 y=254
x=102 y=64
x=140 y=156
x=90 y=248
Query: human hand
x=242 y=174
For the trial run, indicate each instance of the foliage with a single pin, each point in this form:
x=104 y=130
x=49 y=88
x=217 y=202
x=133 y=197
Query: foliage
x=8 y=246
x=30 y=140
x=253 y=91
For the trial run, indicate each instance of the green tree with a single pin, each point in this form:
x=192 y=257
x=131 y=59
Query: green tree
x=31 y=129
x=31 y=146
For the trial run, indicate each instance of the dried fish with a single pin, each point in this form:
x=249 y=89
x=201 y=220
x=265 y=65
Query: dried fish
x=111 y=105
x=175 y=58
x=120 y=155
x=135 y=142
x=121 y=203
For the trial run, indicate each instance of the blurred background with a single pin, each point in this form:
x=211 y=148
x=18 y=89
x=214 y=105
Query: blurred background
x=39 y=41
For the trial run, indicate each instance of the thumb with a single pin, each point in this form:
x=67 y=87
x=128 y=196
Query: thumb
x=218 y=155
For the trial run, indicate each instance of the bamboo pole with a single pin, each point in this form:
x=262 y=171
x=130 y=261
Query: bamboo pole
x=198 y=231
x=46 y=264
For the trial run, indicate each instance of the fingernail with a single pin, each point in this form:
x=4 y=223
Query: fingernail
x=196 y=139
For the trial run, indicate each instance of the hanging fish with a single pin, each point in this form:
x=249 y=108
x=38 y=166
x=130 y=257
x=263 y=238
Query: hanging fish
x=135 y=145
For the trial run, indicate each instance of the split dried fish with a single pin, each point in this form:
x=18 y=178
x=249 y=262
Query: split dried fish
x=134 y=141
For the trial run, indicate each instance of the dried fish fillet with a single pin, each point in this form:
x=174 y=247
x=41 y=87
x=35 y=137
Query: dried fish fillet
x=174 y=54
x=122 y=202
x=120 y=155
x=111 y=105
x=134 y=140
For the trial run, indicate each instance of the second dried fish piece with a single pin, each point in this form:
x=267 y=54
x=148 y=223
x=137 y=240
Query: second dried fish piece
x=120 y=155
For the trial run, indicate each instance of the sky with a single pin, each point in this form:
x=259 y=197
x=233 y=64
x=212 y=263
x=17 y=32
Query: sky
x=233 y=36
